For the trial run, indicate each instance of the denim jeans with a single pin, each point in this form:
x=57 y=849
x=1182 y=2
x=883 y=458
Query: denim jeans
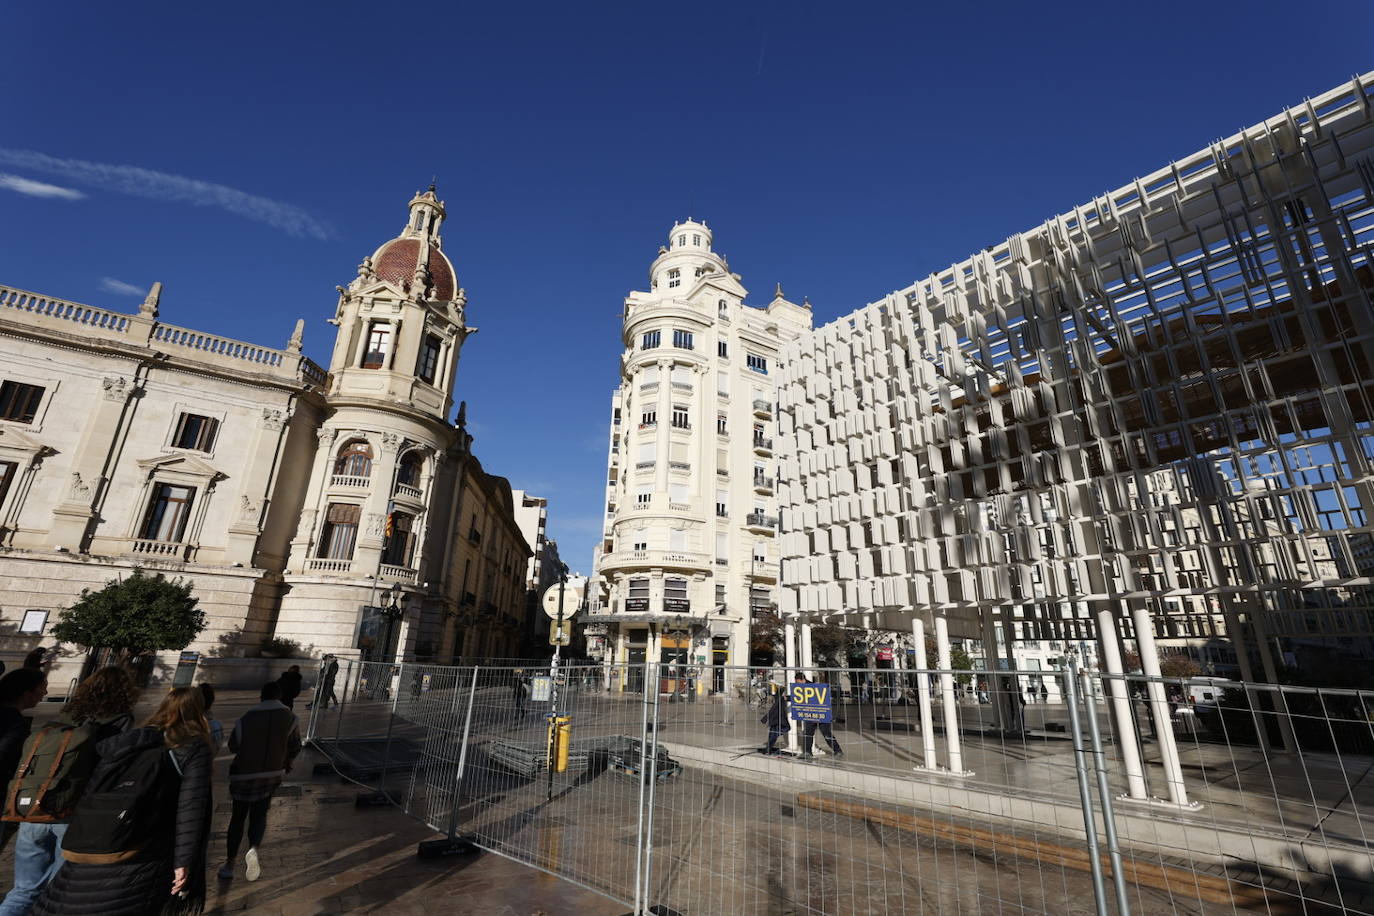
x=37 y=857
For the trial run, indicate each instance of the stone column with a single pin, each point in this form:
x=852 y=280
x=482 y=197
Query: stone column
x=313 y=511
x=86 y=480
x=367 y=556
x=252 y=504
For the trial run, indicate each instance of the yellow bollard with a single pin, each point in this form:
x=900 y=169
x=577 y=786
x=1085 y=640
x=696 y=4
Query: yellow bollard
x=559 y=743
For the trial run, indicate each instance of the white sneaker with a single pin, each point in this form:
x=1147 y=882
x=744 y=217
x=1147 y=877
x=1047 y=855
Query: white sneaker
x=254 y=868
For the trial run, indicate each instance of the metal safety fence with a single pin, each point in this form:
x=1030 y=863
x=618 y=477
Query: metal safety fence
x=712 y=789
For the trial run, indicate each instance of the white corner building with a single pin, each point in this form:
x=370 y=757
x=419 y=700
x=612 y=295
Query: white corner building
x=689 y=546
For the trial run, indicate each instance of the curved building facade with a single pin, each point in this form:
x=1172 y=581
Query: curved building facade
x=689 y=542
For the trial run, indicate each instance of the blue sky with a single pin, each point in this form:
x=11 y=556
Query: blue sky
x=842 y=149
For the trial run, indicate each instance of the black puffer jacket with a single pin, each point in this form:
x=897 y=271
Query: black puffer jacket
x=142 y=886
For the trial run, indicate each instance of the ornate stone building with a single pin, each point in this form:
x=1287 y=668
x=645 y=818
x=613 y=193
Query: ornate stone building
x=290 y=496
x=689 y=547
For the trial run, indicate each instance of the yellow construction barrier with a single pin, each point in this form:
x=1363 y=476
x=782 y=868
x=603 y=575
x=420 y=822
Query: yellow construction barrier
x=560 y=739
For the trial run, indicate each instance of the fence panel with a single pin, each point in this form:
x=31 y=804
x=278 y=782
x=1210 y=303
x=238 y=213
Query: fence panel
x=1254 y=796
x=946 y=791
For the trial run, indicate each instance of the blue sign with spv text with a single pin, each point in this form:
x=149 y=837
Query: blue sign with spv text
x=809 y=702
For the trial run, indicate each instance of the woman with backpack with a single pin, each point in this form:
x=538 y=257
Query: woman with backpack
x=137 y=842
x=52 y=773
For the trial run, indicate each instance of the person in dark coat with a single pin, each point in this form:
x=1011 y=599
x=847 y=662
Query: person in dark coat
x=776 y=720
x=19 y=690
x=167 y=877
x=106 y=700
x=265 y=741
x=290 y=682
x=324 y=693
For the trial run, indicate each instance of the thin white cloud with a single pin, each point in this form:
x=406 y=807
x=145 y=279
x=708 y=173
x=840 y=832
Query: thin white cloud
x=139 y=182
x=31 y=188
x=120 y=288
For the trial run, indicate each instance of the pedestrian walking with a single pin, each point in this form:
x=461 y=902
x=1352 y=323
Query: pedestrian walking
x=776 y=720
x=52 y=774
x=19 y=691
x=136 y=844
x=809 y=727
x=265 y=742
x=324 y=693
x=207 y=695
x=520 y=689
x=1044 y=693
x=290 y=682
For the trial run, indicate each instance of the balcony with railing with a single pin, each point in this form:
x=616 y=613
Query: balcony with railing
x=759 y=520
x=762 y=407
x=399 y=574
x=679 y=466
x=409 y=492
x=763 y=444
x=351 y=481
x=682 y=386
x=160 y=550
x=762 y=483
x=328 y=566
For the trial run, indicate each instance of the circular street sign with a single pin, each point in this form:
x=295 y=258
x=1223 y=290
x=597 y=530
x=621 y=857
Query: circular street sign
x=572 y=597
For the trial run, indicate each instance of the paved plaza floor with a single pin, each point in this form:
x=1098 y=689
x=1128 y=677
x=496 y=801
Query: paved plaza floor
x=323 y=856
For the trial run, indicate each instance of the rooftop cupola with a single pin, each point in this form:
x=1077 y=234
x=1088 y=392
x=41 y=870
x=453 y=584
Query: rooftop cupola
x=426 y=215
x=690 y=236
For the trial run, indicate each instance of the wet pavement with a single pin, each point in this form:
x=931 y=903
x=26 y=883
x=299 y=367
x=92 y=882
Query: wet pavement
x=324 y=856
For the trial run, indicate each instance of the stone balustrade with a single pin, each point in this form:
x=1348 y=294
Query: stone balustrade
x=61 y=315
x=325 y=565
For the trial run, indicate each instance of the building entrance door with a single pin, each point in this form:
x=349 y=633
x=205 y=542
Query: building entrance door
x=634 y=673
x=720 y=657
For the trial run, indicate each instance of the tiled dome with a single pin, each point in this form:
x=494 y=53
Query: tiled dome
x=395 y=262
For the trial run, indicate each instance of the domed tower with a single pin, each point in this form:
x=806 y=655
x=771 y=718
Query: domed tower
x=378 y=468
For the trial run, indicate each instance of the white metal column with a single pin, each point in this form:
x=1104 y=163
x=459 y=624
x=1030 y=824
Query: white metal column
x=942 y=661
x=918 y=632
x=1159 y=704
x=1119 y=696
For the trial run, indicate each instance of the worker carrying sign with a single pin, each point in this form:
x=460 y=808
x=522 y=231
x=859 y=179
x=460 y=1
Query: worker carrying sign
x=809 y=702
x=810 y=705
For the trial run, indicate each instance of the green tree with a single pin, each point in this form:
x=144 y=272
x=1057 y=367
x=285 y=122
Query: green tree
x=958 y=659
x=135 y=616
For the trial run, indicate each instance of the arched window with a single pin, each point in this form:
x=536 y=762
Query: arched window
x=408 y=471
x=355 y=460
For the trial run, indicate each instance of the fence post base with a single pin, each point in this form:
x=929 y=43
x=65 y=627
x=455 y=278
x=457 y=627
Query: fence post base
x=447 y=846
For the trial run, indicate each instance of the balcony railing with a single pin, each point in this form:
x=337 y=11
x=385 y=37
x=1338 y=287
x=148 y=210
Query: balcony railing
x=349 y=480
x=762 y=406
x=762 y=483
x=644 y=465
x=722 y=472
x=680 y=507
x=405 y=489
x=399 y=574
x=327 y=565
x=763 y=444
x=679 y=466
x=164 y=550
x=759 y=520
x=683 y=386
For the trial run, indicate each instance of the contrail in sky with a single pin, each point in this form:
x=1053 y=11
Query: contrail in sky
x=31 y=188
x=139 y=182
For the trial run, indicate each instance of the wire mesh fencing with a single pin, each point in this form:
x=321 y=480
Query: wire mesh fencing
x=713 y=789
